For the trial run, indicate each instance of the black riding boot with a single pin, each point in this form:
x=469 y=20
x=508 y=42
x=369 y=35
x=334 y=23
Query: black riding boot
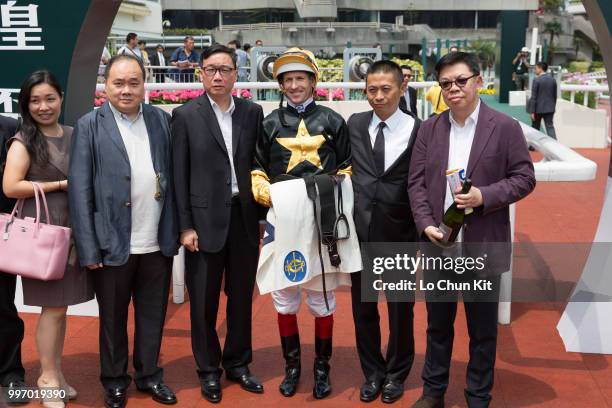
x=323 y=351
x=291 y=352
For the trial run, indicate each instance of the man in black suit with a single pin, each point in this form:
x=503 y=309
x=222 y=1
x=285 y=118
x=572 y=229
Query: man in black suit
x=409 y=97
x=543 y=99
x=214 y=145
x=381 y=142
x=11 y=326
x=158 y=59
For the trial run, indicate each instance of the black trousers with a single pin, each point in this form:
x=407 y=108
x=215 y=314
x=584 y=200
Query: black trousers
x=204 y=274
x=481 y=315
x=548 y=123
x=145 y=279
x=400 y=349
x=11 y=332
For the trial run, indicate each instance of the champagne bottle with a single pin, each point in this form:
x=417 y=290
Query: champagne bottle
x=453 y=217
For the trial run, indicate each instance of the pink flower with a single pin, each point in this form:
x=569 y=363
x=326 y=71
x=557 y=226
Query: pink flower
x=338 y=95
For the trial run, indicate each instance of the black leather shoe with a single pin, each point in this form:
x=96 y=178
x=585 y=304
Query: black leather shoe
x=115 y=397
x=247 y=381
x=369 y=391
x=392 y=391
x=429 y=402
x=161 y=393
x=211 y=388
x=15 y=386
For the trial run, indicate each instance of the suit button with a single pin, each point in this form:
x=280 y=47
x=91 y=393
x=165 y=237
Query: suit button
x=228 y=203
x=128 y=204
x=128 y=178
x=374 y=202
x=229 y=181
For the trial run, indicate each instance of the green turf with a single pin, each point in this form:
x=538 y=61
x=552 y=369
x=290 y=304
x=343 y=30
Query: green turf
x=517 y=112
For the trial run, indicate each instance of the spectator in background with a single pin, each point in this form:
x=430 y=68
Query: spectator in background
x=408 y=101
x=104 y=58
x=142 y=46
x=247 y=48
x=242 y=60
x=185 y=59
x=453 y=48
x=434 y=97
x=520 y=74
x=40 y=152
x=131 y=47
x=543 y=99
x=258 y=43
x=159 y=60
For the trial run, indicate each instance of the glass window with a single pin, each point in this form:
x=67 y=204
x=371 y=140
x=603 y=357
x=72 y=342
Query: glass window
x=356 y=16
x=434 y=19
x=487 y=18
x=258 y=16
x=192 y=18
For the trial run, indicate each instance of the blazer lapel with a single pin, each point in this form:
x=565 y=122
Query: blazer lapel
x=484 y=129
x=210 y=119
x=153 y=130
x=112 y=130
x=365 y=139
x=236 y=125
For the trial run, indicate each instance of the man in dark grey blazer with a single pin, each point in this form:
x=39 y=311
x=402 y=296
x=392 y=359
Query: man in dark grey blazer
x=11 y=326
x=381 y=143
x=123 y=216
x=491 y=147
x=543 y=99
x=408 y=101
x=214 y=146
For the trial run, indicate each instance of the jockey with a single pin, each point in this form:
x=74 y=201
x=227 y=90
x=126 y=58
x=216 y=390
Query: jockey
x=301 y=139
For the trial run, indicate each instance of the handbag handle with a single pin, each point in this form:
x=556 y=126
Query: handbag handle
x=44 y=200
x=18 y=208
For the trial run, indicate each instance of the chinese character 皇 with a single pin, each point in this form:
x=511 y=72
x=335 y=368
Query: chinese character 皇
x=20 y=21
x=6 y=100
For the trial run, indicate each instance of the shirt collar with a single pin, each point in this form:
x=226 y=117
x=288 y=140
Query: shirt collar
x=473 y=118
x=214 y=104
x=120 y=116
x=392 y=121
x=303 y=105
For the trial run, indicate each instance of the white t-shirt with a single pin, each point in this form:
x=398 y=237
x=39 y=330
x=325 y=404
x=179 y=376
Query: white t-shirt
x=146 y=210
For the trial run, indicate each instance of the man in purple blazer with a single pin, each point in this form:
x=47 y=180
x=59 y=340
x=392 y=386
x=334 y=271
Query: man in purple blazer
x=491 y=147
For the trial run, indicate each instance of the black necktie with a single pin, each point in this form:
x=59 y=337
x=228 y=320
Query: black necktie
x=379 y=149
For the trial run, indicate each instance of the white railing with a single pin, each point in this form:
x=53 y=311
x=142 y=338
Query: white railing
x=585 y=89
x=175 y=86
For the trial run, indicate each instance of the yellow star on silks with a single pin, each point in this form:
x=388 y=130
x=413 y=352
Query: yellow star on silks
x=303 y=147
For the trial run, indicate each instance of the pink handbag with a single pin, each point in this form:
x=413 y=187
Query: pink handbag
x=31 y=248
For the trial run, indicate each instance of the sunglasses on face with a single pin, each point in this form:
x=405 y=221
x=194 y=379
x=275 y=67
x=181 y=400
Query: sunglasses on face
x=461 y=82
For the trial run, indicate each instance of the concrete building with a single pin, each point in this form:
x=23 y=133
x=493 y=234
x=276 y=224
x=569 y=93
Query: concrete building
x=398 y=25
x=141 y=16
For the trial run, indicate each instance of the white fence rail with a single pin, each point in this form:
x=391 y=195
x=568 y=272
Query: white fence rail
x=175 y=86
